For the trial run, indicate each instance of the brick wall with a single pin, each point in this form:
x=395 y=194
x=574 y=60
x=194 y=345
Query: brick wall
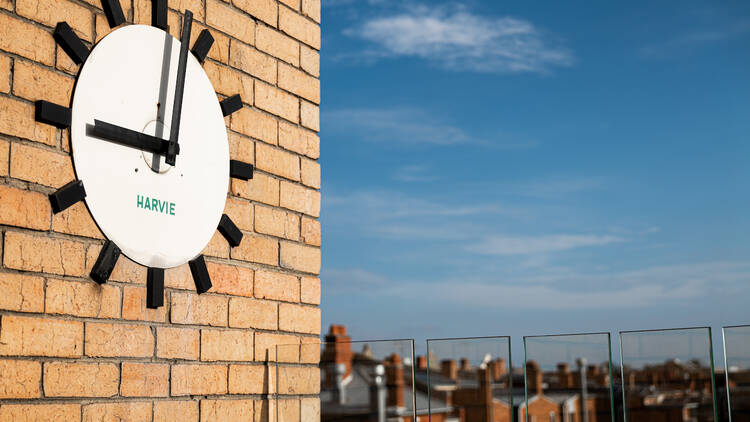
x=71 y=350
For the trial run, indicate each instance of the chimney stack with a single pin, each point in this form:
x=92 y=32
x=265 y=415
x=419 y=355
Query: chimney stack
x=394 y=378
x=465 y=365
x=421 y=362
x=534 y=378
x=498 y=369
x=337 y=351
x=449 y=369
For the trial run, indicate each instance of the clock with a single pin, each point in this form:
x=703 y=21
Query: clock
x=149 y=146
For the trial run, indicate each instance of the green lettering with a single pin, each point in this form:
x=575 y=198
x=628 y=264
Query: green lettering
x=171 y=208
x=147 y=204
x=161 y=205
x=154 y=205
x=140 y=201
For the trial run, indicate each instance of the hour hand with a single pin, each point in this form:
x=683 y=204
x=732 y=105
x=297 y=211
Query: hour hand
x=128 y=137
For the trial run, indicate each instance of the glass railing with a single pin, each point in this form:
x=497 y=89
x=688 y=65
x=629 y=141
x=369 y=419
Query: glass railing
x=468 y=379
x=737 y=372
x=654 y=376
x=568 y=378
x=667 y=375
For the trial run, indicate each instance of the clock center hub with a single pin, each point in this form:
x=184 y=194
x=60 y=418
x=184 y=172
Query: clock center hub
x=155 y=161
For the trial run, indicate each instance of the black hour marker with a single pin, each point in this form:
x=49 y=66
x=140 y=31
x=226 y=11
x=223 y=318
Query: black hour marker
x=200 y=274
x=105 y=263
x=113 y=10
x=230 y=231
x=240 y=170
x=155 y=288
x=67 y=196
x=231 y=104
x=52 y=114
x=202 y=45
x=70 y=43
x=159 y=14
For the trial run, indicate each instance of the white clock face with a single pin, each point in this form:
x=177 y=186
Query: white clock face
x=158 y=215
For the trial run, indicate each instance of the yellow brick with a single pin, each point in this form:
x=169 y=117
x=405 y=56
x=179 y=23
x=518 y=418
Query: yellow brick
x=278 y=45
x=120 y=411
x=277 y=223
x=288 y=410
x=241 y=148
x=300 y=257
x=255 y=125
x=258 y=249
x=226 y=410
x=179 y=278
x=24 y=208
x=177 y=343
x=76 y=220
x=226 y=345
x=276 y=286
x=299 y=27
x=310 y=60
x=190 y=308
x=4 y=157
x=43 y=254
x=119 y=340
x=27 y=40
x=21 y=293
x=19 y=379
x=176 y=411
x=126 y=271
x=251 y=313
x=28 y=336
x=5 y=74
x=299 y=198
x=277 y=102
x=199 y=379
x=261 y=188
x=265 y=410
x=311 y=231
x=195 y=6
x=299 y=380
x=241 y=212
x=101 y=25
x=310 y=290
x=86 y=299
x=310 y=409
x=311 y=9
x=17 y=119
x=252 y=379
x=134 y=306
x=268 y=345
x=310 y=173
x=144 y=380
x=231 y=21
x=231 y=279
x=265 y=10
x=64 y=63
x=310 y=116
x=299 y=319
x=294 y=4
x=217 y=247
x=34 y=82
x=252 y=61
x=228 y=82
x=299 y=83
x=40 y=412
x=40 y=166
x=310 y=350
x=300 y=140
x=69 y=379
x=277 y=161
x=50 y=12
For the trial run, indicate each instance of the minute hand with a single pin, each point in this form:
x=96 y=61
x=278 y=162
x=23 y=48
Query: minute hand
x=130 y=138
x=174 y=132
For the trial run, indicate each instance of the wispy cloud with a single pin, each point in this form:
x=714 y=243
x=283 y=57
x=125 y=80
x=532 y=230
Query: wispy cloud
x=457 y=39
x=696 y=38
x=407 y=126
x=413 y=173
x=528 y=245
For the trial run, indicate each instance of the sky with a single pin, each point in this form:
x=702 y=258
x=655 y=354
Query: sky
x=525 y=168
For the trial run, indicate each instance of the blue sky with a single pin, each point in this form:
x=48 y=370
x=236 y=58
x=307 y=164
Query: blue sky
x=519 y=168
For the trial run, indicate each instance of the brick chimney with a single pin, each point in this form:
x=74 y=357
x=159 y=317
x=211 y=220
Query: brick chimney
x=394 y=380
x=485 y=394
x=498 y=369
x=534 y=378
x=465 y=365
x=421 y=362
x=337 y=350
x=449 y=369
x=565 y=378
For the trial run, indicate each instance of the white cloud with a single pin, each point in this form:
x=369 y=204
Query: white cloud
x=413 y=173
x=457 y=39
x=527 y=245
x=407 y=126
x=687 y=41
